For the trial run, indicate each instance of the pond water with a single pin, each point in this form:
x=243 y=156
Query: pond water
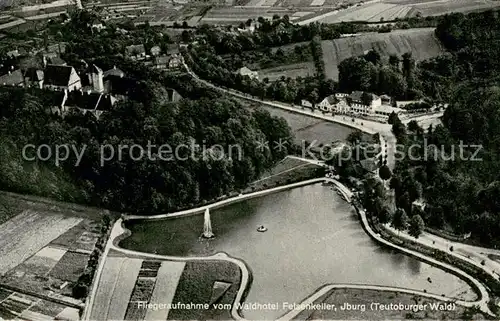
x=313 y=238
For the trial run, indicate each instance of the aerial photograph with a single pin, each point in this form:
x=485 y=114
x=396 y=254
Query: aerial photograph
x=249 y=160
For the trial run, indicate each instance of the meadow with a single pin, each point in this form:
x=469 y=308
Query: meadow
x=420 y=42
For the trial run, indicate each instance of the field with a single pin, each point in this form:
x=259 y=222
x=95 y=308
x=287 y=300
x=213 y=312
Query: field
x=293 y=71
x=167 y=281
x=29 y=232
x=44 y=246
x=420 y=42
x=365 y=297
x=196 y=284
x=289 y=170
x=307 y=129
x=115 y=287
x=390 y=10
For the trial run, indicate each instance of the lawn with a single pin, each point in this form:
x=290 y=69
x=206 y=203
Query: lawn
x=195 y=286
x=70 y=267
x=420 y=42
x=303 y=69
x=287 y=171
x=307 y=129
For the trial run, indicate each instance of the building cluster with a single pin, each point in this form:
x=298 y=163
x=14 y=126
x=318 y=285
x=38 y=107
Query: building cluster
x=356 y=103
x=91 y=90
x=171 y=60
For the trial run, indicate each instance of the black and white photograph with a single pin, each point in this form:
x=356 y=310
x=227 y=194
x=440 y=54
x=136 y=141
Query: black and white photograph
x=249 y=160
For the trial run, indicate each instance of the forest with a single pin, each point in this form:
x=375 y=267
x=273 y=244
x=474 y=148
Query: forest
x=461 y=188
x=147 y=186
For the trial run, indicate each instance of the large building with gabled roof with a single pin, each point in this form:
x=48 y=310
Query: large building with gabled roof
x=57 y=77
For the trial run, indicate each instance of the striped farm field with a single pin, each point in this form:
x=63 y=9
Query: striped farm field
x=166 y=285
x=436 y=8
x=420 y=42
x=115 y=287
x=27 y=233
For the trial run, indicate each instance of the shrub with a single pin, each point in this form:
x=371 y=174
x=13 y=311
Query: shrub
x=80 y=291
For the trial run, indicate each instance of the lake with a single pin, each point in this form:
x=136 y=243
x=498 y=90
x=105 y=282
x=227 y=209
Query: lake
x=313 y=238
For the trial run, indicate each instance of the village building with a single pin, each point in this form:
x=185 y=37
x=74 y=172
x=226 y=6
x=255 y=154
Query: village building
x=363 y=102
x=33 y=77
x=155 y=51
x=306 y=103
x=95 y=78
x=245 y=71
x=328 y=104
x=113 y=72
x=12 y=78
x=58 y=77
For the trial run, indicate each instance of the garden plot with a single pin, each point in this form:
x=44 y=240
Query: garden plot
x=115 y=287
x=70 y=267
x=165 y=287
x=304 y=69
x=41 y=263
x=27 y=233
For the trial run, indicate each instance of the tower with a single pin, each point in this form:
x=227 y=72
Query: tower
x=95 y=75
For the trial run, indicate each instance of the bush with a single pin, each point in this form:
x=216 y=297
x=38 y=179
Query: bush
x=80 y=291
x=451 y=248
x=483 y=262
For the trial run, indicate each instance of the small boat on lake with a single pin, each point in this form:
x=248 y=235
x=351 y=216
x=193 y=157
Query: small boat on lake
x=261 y=228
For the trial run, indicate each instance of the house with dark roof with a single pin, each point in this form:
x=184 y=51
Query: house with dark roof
x=57 y=77
x=328 y=104
x=33 y=77
x=93 y=102
x=363 y=102
x=118 y=86
x=13 y=78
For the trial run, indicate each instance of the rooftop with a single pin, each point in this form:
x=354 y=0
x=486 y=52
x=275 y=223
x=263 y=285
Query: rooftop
x=12 y=78
x=57 y=75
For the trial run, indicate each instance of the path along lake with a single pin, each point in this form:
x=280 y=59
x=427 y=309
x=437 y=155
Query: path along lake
x=313 y=238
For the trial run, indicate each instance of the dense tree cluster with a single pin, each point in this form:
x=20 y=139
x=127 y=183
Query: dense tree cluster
x=147 y=118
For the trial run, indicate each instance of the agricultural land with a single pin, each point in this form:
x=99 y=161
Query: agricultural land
x=390 y=10
x=420 y=42
x=127 y=281
x=45 y=248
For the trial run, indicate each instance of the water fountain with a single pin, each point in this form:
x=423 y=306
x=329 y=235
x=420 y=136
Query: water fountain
x=207 y=226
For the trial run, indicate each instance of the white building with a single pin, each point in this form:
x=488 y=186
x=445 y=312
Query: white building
x=306 y=103
x=363 y=102
x=244 y=71
x=328 y=104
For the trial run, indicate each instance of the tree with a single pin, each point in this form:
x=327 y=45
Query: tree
x=373 y=56
x=384 y=215
x=355 y=137
x=394 y=61
x=416 y=226
x=384 y=172
x=400 y=220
